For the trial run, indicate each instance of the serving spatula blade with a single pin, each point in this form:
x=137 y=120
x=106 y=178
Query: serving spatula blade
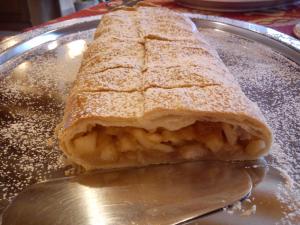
x=167 y=194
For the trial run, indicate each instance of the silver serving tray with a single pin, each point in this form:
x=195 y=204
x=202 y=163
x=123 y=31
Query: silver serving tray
x=236 y=5
x=38 y=67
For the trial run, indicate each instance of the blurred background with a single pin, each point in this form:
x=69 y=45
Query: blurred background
x=17 y=15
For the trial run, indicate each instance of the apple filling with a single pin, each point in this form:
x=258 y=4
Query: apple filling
x=207 y=140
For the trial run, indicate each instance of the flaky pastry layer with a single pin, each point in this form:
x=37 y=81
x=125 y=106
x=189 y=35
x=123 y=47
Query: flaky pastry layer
x=151 y=90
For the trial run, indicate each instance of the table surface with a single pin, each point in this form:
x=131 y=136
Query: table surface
x=281 y=18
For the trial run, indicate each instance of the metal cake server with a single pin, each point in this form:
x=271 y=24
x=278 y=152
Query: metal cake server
x=166 y=194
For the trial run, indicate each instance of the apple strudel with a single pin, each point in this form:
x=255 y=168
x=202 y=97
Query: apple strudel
x=151 y=90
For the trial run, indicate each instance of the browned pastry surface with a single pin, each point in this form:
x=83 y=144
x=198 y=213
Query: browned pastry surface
x=151 y=90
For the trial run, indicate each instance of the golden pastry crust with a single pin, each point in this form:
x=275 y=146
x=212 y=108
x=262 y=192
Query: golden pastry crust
x=104 y=49
x=115 y=79
x=159 y=53
x=186 y=76
x=106 y=53
x=151 y=90
x=106 y=106
x=119 y=24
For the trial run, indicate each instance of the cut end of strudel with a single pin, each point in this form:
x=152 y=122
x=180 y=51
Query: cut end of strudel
x=150 y=90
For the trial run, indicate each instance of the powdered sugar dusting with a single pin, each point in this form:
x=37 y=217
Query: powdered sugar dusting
x=32 y=92
x=32 y=102
x=245 y=208
x=273 y=82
